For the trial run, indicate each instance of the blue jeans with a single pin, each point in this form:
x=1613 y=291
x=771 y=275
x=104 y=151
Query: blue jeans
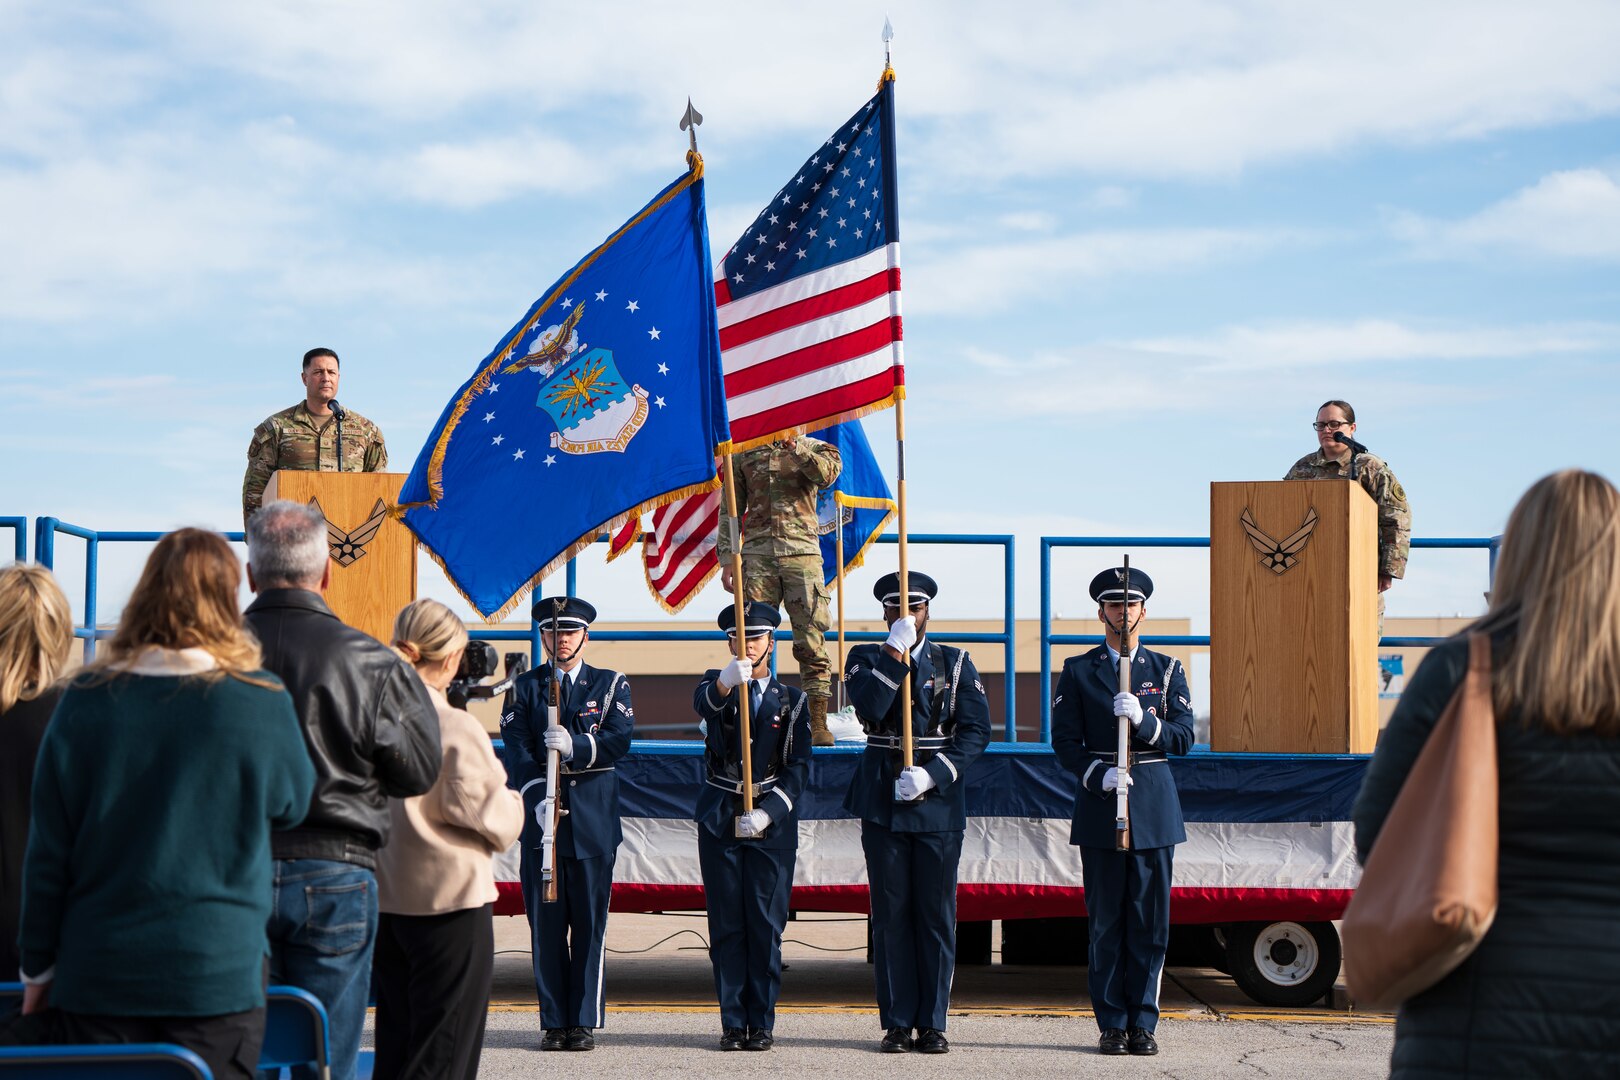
x=322 y=929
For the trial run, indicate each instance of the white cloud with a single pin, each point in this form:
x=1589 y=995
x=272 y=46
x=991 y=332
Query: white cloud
x=1242 y=372
x=1573 y=214
x=1290 y=345
x=976 y=278
x=1183 y=88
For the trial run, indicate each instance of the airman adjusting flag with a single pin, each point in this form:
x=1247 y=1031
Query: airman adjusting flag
x=605 y=400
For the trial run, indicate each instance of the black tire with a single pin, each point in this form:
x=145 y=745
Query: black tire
x=1286 y=964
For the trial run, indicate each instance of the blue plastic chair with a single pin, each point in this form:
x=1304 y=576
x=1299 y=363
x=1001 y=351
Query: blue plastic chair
x=131 y=1061
x=294 y=1030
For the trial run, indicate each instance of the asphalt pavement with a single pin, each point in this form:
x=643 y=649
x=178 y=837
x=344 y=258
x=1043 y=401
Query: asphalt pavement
x=1006 y=1020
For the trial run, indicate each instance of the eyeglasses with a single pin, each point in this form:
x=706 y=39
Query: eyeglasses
x=1330 y=425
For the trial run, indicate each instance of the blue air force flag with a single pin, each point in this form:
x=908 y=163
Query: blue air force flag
x=858 y=505
x=604 y=400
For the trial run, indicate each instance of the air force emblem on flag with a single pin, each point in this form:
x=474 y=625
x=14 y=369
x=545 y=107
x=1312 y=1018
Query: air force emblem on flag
x=829 y=515
x=594 y=408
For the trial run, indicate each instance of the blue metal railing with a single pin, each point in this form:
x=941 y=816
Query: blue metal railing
x=1491 y=544
x=19 y=530
x=46 y=530
x=1007 y=638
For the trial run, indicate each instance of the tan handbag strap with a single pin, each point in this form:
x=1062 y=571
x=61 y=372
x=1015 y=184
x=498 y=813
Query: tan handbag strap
x=1474 y=697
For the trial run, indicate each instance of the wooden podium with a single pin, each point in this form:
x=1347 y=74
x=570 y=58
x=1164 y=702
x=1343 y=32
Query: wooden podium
x=1293 y=637
x=373 y=556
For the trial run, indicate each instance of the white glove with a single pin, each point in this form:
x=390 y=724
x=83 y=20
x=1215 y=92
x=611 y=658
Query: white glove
x=559 y=740
x=913 y=781
x=1128 y=706
x=903 y=634
x=753 y=823
x=736 y=673
x=542 y=812
x=1111 y=779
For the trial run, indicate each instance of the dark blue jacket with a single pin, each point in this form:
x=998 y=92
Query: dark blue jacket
x=599 y=716
x=1085 y=738
x=781 y=760
x=948 y=706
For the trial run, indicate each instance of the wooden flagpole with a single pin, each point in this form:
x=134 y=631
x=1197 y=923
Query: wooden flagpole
x=838 y=541
x=746 y=755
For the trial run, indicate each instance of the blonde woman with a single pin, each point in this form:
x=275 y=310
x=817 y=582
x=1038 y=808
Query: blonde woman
x=147 y=879
x=36 y=634
x=436 y=879
x=1539 y=996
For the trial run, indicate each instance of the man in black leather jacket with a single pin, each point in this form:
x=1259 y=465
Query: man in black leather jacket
x=372 y=733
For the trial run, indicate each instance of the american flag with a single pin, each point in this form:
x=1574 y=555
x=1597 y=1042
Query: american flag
x=809 y=308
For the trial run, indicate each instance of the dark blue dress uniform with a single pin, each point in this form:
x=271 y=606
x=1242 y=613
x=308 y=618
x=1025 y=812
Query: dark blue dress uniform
x=913 y=848
x=1127 y=892
x=747 y=883
x=569 y=935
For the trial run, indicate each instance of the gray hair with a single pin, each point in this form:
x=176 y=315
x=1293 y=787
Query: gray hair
x=286 y=544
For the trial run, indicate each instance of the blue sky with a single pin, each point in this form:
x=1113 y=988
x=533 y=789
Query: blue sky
x=1140 y=242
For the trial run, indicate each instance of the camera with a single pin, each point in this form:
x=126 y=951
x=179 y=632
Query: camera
x=478 y=663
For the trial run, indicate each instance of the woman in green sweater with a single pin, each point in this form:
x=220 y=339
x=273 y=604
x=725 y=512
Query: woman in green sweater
x=146 y=887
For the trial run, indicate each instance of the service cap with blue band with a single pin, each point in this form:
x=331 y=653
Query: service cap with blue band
x=758 y=618
x=1109 y=587
x=576 y=613
x=921 y=586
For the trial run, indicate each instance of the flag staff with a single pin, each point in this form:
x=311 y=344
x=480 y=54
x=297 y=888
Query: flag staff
x=907 y=754
x=689 y=124
x=838 y=558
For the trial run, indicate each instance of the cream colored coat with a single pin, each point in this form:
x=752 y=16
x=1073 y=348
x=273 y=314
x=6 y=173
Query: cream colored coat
x=439 y=856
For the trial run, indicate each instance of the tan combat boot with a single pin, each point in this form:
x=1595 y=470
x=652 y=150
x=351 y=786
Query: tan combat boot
x=819 y=735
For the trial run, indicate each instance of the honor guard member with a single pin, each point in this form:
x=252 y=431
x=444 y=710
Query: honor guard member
x=747 y=859
x=1127 y=892
x=569 y=934
x=781 y=552
x=316 y=435
x=913 y=846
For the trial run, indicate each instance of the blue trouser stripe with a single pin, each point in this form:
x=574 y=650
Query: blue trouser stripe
x=913 y=879
x=747 y=889
x=569 y=937
x=1128 y=902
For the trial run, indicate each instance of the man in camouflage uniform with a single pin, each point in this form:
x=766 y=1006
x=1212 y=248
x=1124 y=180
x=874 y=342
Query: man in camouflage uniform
x=305 y=437
x=1332 y=461
x=781 y=550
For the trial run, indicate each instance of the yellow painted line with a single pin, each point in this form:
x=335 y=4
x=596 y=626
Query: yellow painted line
x=1311 y=1016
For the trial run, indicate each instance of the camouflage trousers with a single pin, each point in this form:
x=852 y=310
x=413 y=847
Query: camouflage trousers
x=793 y=583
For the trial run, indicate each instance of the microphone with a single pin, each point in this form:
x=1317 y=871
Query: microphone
x=339 y=412
x=1338 y=436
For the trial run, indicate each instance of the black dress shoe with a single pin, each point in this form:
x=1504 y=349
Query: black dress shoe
x=555 y=1039
x=896 y=1041
x=581 y=1039
x=932 y=1041
x=1112 y=1042
x=1142 y=1043
x=759 y=1040
x=732 y=1039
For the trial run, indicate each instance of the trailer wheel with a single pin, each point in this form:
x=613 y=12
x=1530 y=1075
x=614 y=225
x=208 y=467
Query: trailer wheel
x=1283 y=963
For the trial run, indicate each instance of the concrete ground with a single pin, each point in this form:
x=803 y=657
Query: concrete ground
x=1026 y=1020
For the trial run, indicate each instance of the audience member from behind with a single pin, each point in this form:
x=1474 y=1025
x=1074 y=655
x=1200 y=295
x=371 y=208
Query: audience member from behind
x=163 y=771
x=36 y=634
x=436 y=879
x=1539 y=996
x=371 y=732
